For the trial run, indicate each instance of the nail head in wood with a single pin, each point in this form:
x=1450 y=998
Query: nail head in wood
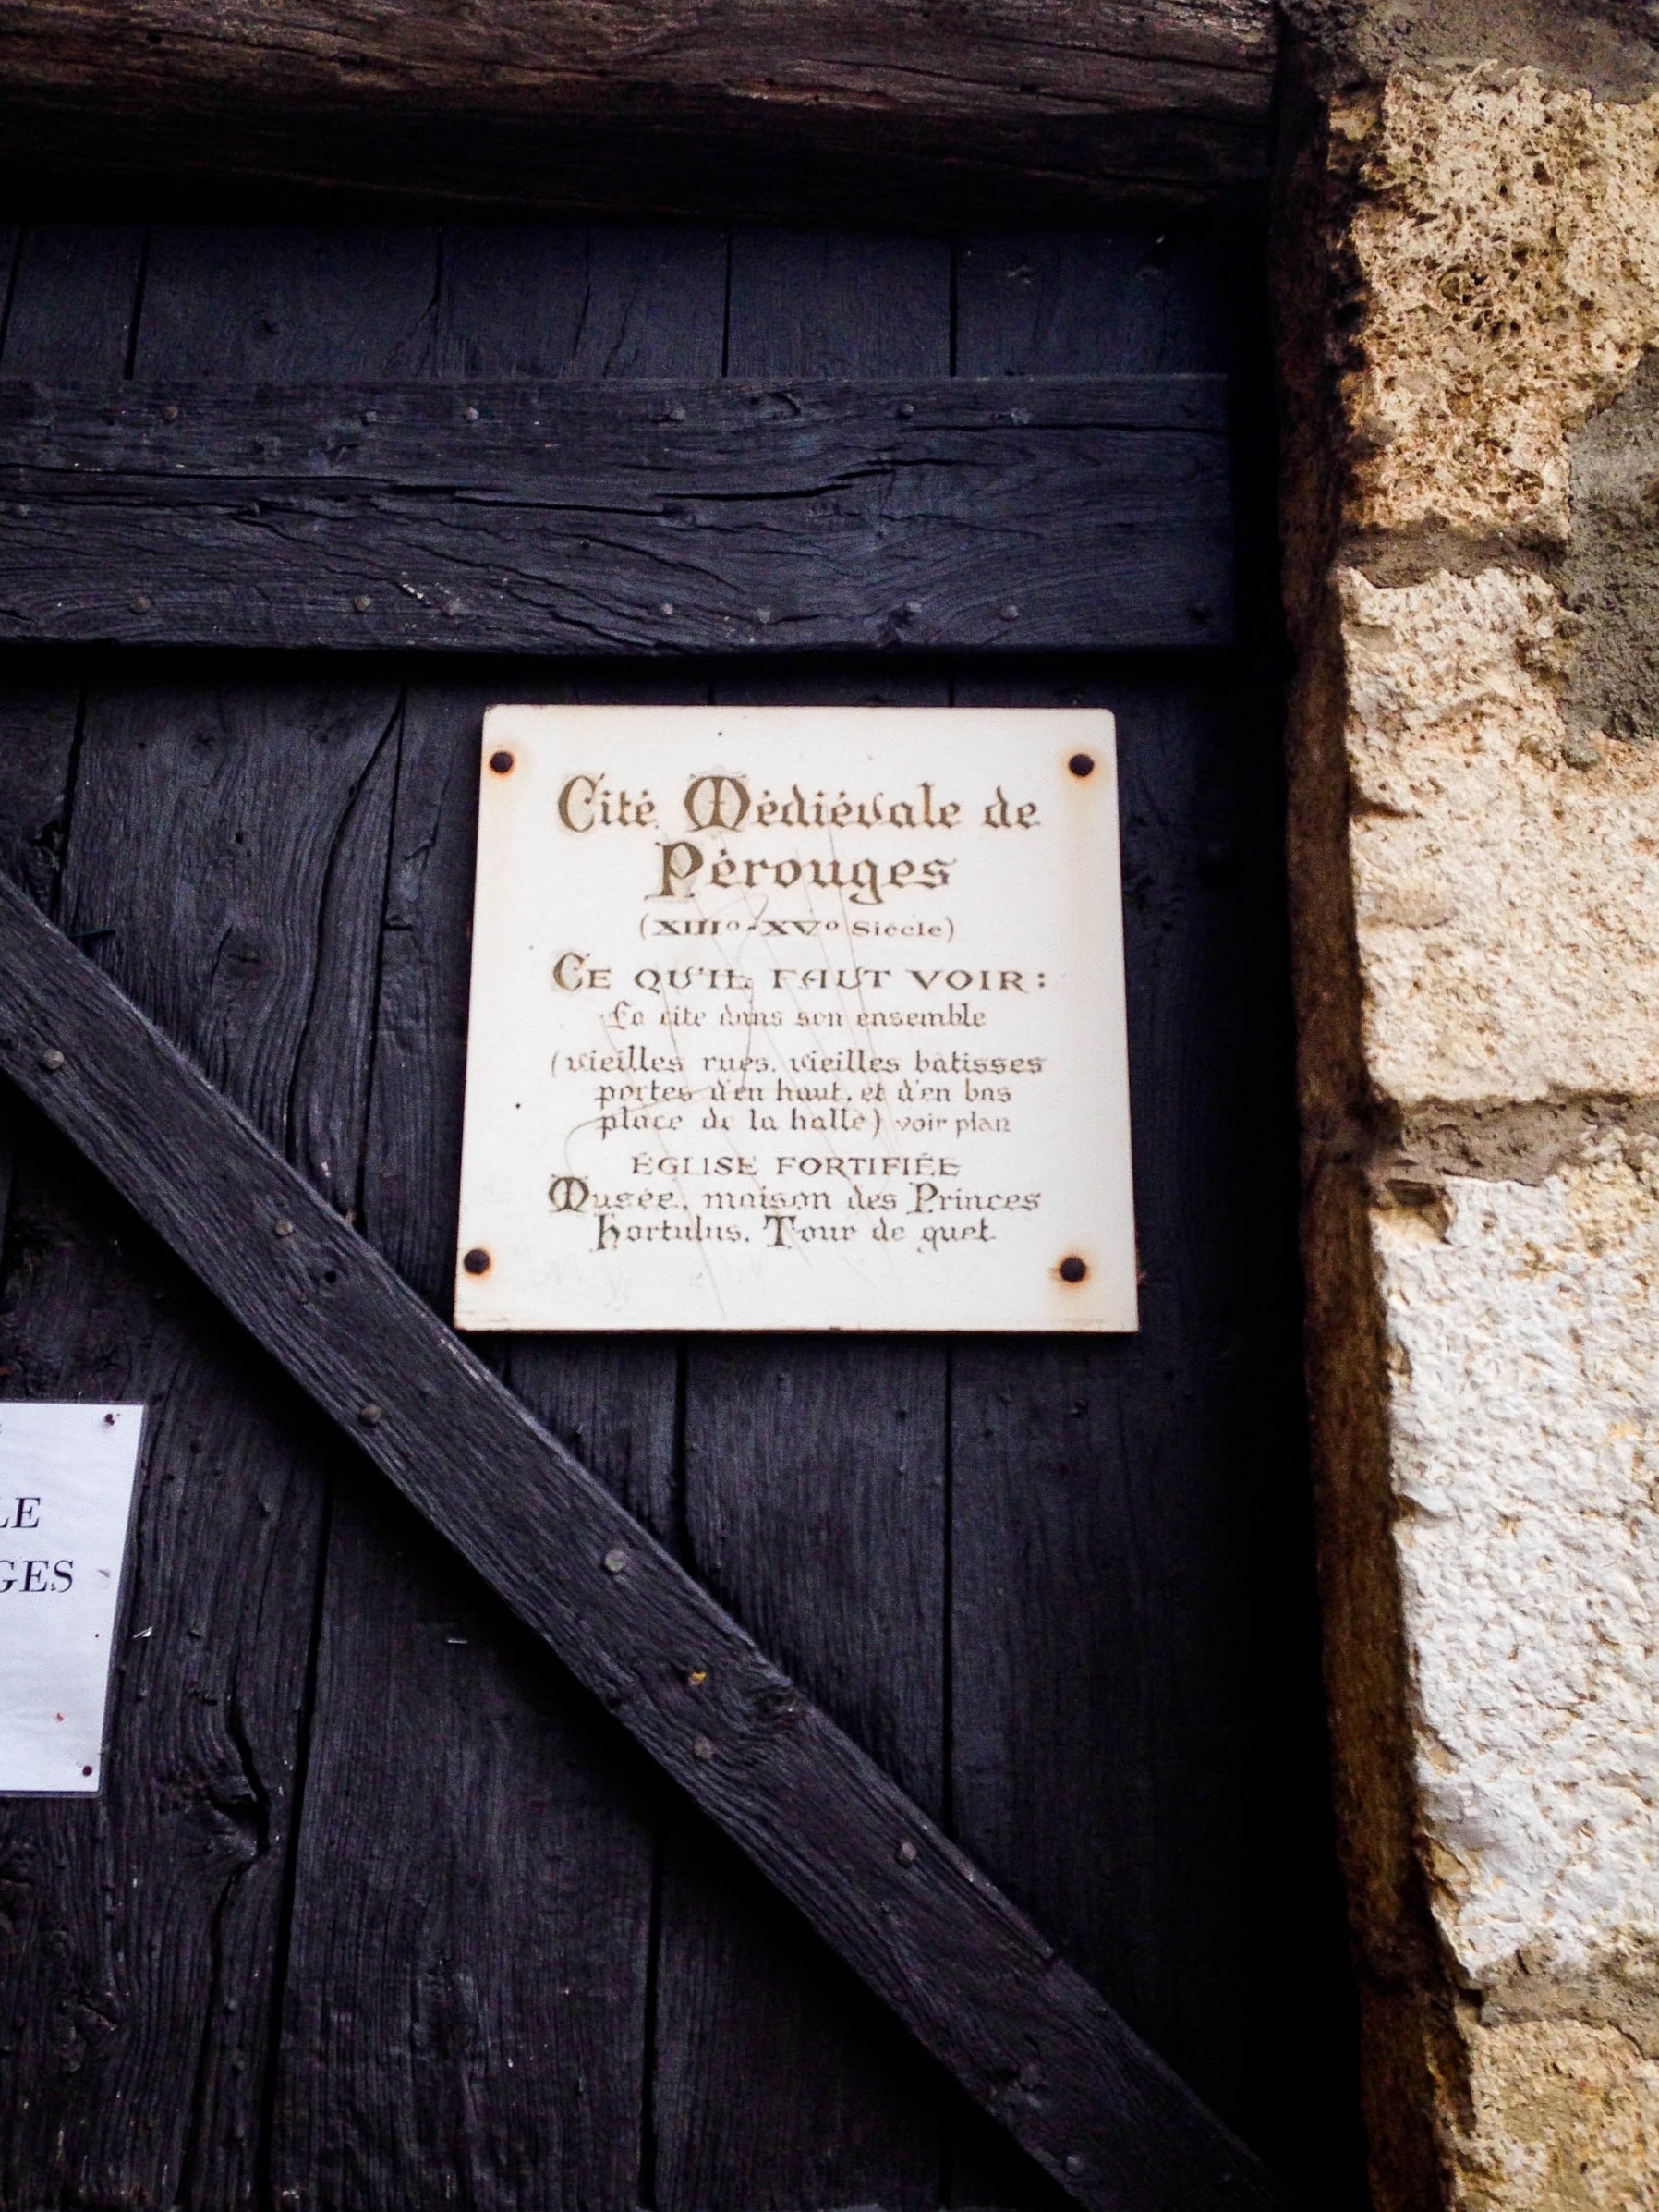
x=371 y=1416
x=1072 y=1269
x=477 y=1262
x=906 y=1853
x=616 y=1561
x=283 y=1228
x=501 y=763
x=362 y=602
x=702 y=1749
x=51 y=1060
x=1073 y=2164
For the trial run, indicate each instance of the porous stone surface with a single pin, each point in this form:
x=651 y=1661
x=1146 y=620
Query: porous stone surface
x=1504 y=244
x=1524 y=1346
x=1564 y=2118
x=1471 y=445
x=1506 y=866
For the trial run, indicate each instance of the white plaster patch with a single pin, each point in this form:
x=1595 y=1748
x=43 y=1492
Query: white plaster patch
x=1525 y=1350
x=1508 y=903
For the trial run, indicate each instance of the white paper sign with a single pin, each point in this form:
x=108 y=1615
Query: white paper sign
x=65 y=1498
x=797 y=1018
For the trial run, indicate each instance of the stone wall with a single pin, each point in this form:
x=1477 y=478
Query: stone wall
x=1467 y=295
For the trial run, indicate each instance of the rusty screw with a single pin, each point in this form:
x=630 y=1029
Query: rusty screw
x=477 y=1262
x=1072 y=1269
x=501 y=763
x=1081 y=764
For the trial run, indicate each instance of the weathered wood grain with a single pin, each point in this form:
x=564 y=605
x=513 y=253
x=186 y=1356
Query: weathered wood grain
x=838 y=305
x=470 y=1959
x=813 y=1509
x=72 y=301
x=536 y=302
x=185 y=1860
x=256 y=303
x=1093 y=303
x=1132 y=1686
x=619 y=516
x=227 y=853
x=930 y=1934
x=902 y=114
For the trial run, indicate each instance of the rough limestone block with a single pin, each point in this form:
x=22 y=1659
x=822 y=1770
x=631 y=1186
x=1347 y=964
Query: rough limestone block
x=1564 y=2117
x=1523 y=1346
x=1507 y=249
x=1505 y=870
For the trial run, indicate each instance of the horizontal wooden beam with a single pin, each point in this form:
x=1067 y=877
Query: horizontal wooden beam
x=1035 y=513
x=928 y=1932
x=911 y=110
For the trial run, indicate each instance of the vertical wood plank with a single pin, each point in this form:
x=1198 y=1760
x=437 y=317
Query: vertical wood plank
x=228 y=861
x=1057 y=303
x=469 y=1984
x=1134 y=1678
x=9 y=237
x=838 y=304
x=541 y=302
x=222 y=898
x=74 y=296
x=256 y=303
x=38 y=726
x=814 y=1508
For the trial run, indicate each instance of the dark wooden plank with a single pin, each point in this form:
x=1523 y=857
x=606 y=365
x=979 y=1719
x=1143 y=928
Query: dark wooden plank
x=930 y=1933
x=259 y=952
x=902 y=116
x=1134 y=1663
x=1091 y=303
x=813 y=1509
x=231 y=904
x=470 y=1961
x=9 y=237
x=835 y=304
x=74 y=296
x=469 y=1965
x=620 y=517
x=38 y=725
x=262 y=304
x=530 y=301
x=1134 y=1679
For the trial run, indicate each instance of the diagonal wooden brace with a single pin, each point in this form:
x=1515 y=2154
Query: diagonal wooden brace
x=930 y=1934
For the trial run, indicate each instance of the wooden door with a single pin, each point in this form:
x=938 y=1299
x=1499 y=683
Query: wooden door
x=378 y=1907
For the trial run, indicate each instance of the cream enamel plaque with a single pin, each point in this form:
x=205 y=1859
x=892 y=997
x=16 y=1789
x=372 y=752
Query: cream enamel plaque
x=797 y=1018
